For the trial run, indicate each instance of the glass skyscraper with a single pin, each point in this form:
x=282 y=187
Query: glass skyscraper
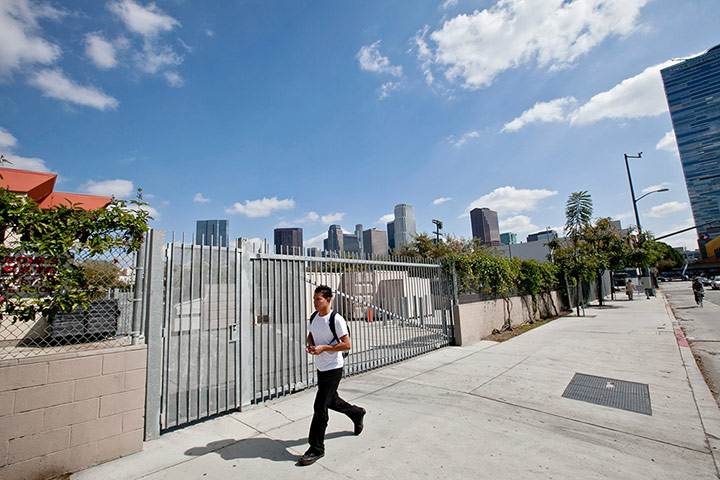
x=484 y=223
x=211 y=232
x=693 y=94
x=404 y=225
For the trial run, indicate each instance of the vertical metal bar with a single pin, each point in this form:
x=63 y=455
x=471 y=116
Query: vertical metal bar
x=218 y=290
x=201 y=327
x=190 y=338
x=180 y=330
x=227 y=345
x=167 y=331
x=237 y=368
x=135 y=332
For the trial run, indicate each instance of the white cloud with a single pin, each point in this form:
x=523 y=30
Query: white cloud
x=147 y=208
x=55 y=84
x=148 y=21
x=640 y=96
x=371 y=60
x=659 y=211
x=668 y=143
x=654 y=188
x=507 y=200
x=542 y=112
x=331 y=218
x=385 y=219
x=261 y=208
x=20 y=42
x=117 y=188
x=310 y=218
x=475 y=48
x=624 y=216
x=464 y=139
x=449 y=3
x=7 y=140
x=316 y=242
x=100 y=51
x=198 y=198
x=25 y=163
x=518 y=224
x=440 y=200
x=174 y=79
x=387 y=88
x=424 y=55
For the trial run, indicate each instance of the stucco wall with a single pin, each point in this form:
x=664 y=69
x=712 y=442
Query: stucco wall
x=65 y=412
x=476 y=320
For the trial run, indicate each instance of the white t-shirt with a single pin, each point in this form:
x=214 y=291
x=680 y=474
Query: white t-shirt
x=322 y=335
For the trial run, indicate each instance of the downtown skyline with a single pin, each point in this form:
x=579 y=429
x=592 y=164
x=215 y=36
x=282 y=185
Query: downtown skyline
x=308 y=114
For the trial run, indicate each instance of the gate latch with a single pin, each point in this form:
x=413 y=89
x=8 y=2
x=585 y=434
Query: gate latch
x=232 y=333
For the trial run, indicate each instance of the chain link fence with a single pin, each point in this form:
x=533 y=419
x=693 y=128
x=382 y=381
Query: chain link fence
x=106 y=321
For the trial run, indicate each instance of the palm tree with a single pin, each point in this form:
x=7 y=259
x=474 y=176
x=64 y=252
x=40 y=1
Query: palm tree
x=578 y=212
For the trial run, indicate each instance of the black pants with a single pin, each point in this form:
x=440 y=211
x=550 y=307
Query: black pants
x=327 y=398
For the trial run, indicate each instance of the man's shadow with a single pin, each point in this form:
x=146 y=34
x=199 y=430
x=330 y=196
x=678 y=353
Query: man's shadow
x=256 y=447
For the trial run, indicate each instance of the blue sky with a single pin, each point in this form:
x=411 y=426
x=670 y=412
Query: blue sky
x=307 y=113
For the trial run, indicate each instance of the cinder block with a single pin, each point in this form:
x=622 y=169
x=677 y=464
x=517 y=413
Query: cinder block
x=21 y=424
x=46 y=396
x=7 y=403
x=4 y=446
x=133 y=420
x=83 y=456
x=135 y=380
x=71 y=413
x=98 y=386
x=93 y=430
x=124 y=361
x=75 y=368
x=25 y=448
x=24 y=470
x=120 y=446
x=22 y=376
x=121 y=402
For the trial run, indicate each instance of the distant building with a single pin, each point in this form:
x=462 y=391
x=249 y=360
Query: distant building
x=508 y=238
x=693 y=95
x=211 y=233
x=335 y=240
x=351 y=244
x=375 y=241
x=543 y=236
x=359 y=236
x=526 y=251
x=484 y=224
x=404 y=225
x=289 y=240
x=391 y=235
x=313 y=252
x=688 y=255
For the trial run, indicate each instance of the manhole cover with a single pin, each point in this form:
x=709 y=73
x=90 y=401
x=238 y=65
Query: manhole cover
x=630 y=396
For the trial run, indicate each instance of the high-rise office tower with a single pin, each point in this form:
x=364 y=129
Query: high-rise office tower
x=211 y=232
x=359 y=235
x=335 y=240
x=391 y=235
x=508 y=238
x=484 y=224
x=404 y=225
x=289 y=240
x=375 y=241
x=542 y=236
x=692 y=89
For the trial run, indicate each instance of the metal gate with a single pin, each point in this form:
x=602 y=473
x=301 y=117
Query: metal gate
x=395 y=310
x=226 y=327
x=201 y=367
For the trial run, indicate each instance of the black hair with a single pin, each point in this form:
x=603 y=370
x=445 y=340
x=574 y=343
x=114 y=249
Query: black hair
x=325 y=291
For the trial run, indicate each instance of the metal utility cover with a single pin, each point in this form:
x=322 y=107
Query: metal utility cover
x=631 y=396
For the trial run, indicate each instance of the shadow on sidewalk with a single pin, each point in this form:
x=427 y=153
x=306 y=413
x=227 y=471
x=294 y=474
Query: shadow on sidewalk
x=267 y=448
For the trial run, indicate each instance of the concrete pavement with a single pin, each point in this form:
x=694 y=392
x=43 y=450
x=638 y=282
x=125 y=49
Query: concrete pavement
x=489 y=410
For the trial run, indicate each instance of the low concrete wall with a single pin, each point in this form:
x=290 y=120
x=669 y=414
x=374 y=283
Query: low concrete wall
x=476 y=320
x=65 y=412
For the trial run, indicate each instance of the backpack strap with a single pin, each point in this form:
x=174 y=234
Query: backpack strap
x=314 y=314
x=332 y=327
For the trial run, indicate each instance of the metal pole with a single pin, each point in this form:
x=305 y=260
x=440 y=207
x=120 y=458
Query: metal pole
x=136 y=334
x=632 y=190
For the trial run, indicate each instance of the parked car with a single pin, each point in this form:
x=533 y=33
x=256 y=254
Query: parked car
x=715 y=283
x=705 y=281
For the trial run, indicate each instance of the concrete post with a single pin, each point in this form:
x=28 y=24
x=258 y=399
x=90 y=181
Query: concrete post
x=154 y=311
x=247 y=332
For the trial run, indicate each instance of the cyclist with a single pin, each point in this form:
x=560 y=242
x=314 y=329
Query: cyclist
x=698 y=291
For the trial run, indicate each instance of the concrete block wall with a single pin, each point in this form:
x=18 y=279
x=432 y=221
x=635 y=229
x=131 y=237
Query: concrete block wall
x=475 y=321
x=65 y=412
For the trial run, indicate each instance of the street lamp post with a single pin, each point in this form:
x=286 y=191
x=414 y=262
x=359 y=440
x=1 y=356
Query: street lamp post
x=646 y=272
x=438 y=227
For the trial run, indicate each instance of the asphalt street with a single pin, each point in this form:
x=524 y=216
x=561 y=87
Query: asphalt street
x=701 y=326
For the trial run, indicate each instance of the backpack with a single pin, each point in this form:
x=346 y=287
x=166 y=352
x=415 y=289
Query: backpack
x=332 y=329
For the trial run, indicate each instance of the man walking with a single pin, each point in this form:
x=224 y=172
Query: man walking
x=327 y=338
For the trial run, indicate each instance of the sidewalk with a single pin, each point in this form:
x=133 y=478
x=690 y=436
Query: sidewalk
x=489 y=410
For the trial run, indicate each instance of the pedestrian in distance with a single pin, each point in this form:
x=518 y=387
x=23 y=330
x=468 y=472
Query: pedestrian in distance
x=629 y=289
x=328 y=338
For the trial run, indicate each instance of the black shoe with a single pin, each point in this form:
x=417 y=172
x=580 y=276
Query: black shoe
x=309 y=458
x=359 y=423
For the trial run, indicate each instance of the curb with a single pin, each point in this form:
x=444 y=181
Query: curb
x=704 y=401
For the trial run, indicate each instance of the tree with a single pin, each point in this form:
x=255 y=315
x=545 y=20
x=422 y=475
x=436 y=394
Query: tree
x=610 y=247
x=575 y=256
x=43 y=249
